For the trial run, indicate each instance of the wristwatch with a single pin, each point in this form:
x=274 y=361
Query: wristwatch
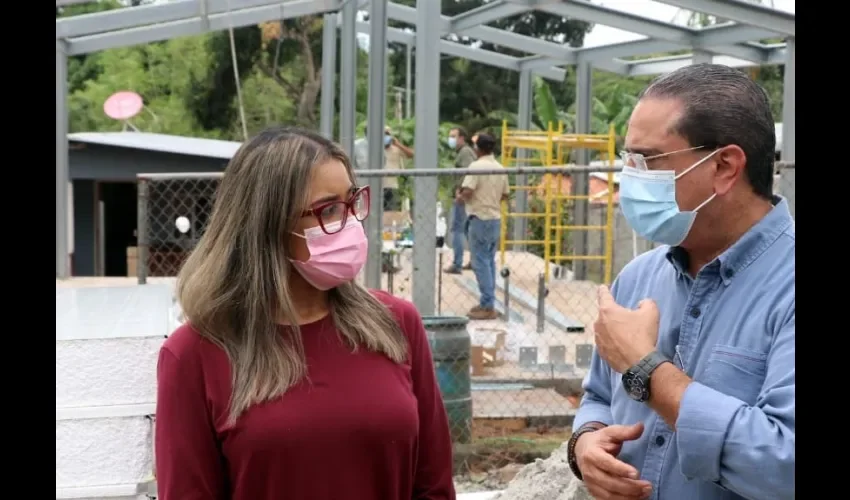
x=636 y=378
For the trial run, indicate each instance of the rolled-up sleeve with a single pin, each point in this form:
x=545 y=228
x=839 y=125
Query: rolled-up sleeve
x=749 y=450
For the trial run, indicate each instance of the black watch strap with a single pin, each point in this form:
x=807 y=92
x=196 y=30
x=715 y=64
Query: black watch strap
x=571 y=446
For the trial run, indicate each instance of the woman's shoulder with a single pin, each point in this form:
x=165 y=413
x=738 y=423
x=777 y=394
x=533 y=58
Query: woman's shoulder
x=404 y=311
x=187 y=345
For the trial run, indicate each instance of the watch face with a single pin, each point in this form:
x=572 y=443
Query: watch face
x=634 y=386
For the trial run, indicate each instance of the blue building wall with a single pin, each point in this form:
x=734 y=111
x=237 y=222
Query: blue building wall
x=92 y=163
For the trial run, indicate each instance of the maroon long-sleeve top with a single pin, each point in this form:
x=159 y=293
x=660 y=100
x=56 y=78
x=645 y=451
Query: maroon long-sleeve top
x=359 y=427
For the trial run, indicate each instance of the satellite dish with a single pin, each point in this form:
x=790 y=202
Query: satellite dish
x=123 y=105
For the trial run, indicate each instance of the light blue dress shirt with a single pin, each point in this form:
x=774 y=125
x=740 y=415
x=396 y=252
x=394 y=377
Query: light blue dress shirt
x=732 y=330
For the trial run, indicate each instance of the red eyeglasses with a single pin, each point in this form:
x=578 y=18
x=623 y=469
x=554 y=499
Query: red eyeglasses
x=333 y=215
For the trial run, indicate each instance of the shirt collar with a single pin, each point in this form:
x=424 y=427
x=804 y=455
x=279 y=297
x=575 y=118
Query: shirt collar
x=747 y=249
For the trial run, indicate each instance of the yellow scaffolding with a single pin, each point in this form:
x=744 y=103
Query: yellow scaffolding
x=552 y=147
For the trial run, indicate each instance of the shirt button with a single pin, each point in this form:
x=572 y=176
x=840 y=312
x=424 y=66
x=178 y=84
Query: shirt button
x=729 y=273
x=695 y=312
x=659 y=440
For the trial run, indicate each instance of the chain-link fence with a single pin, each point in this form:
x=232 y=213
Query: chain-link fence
x=511 y=378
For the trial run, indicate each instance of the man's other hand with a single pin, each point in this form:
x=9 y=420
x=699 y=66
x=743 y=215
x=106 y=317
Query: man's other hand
x=606 y=477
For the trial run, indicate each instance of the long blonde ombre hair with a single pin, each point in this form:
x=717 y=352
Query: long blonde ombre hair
x=234 y=287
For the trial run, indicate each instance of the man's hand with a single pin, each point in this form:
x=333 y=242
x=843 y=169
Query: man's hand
x=624 y=336
x=606 y=477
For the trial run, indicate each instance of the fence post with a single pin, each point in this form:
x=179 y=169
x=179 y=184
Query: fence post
x=142 y=241
x=541 y=302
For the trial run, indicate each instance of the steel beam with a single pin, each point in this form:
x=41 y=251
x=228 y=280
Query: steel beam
x=661 y=65
x=731 y=33
x=326 y=122
x=789 y=108
x=408 y=81
x=485 y=14
x=749 y=13
x=427 y=127
x=62 y=171
x=447 y=47
x=348 y=77
x=701 y=57
x=789 y=126
x=486 y=34
x=377 y=113
x=134 y=17
x=524 y=107
x=580 y=181
x=677 y=35
x=192 y=26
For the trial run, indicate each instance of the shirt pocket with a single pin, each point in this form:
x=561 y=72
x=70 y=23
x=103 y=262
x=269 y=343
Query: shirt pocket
x=736 y=371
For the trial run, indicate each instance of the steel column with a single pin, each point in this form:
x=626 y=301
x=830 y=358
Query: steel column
x=328 y=75
x=348 y=77
x=789 y=124
x=63 y=270
x=580 y=184
x=428 y=24
x=524 y=102
x=377 y=112
x=408 y=81
x=701 y=57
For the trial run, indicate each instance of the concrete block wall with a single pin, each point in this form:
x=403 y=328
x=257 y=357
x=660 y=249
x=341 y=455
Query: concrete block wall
x=107 y=343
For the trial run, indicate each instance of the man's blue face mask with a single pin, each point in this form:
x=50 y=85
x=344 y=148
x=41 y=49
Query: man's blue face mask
x=648 y=199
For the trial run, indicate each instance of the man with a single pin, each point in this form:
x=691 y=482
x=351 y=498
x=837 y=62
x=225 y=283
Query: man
x=691 y=389
x=394 y=155
x=483 y=195
x=458 y=140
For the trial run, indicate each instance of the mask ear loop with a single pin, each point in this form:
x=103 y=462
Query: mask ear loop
x=695 y=165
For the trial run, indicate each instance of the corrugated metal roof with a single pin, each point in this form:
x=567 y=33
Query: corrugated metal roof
x=191 y=146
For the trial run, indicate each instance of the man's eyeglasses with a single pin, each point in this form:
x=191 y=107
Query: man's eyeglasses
x=638 y=161
x=330 y=213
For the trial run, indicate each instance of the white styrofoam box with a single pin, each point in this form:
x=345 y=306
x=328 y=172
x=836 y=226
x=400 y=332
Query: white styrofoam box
x=104 y=446
x=113 y=312
x=106 y=372
x=107 y=343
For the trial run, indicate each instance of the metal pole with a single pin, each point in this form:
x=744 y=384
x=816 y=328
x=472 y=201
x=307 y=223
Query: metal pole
x=440 y=285
x=377 y=112
x=408 y=111
x=328 y=75
x=101 y=239
x=701 y=56
x=390 y=272
x=541 y=302
x=789 y=125
x=142 y=237
x=506 y=276
x=584 y=105
x=348 y=77
x=63 y=270
x=520 y=224
x=428 y=28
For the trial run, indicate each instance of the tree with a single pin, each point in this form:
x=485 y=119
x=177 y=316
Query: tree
x=470 y=91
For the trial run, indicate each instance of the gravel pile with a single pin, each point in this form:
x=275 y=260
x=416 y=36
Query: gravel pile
x=549 y=479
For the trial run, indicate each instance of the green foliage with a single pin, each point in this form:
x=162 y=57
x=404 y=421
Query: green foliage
x=189 y=88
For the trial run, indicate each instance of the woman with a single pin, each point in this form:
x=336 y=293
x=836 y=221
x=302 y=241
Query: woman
x=290 y=381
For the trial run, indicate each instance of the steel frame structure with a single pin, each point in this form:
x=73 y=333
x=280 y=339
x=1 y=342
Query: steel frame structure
x=432 y=34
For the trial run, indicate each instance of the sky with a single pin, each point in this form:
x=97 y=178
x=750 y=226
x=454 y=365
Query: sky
x=603 y=35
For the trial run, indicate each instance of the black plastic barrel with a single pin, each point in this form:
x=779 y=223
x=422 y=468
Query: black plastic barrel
x=450 y=347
